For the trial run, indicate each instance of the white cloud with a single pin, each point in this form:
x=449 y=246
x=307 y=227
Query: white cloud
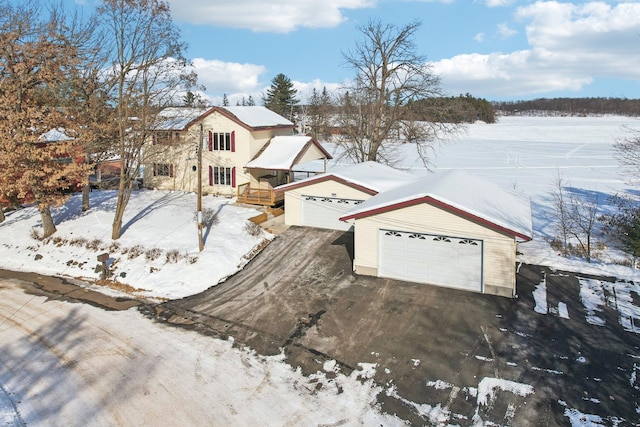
x=479 y=37
x=231 y=78
x=498 y=3
x=505 y=32
x=305 y=89
x=280 y=16
x=569 y=47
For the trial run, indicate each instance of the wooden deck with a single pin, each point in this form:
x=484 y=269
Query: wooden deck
x=259 y=196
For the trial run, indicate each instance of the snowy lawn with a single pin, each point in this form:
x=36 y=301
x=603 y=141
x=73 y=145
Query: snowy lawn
x=157 y=255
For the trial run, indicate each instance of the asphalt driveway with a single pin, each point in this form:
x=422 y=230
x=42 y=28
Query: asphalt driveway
x=441 y=356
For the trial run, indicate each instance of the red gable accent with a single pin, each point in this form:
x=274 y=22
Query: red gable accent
x=441 y=205
x=328 y=177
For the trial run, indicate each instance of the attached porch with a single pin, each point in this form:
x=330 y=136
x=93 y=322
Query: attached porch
x=274 y=165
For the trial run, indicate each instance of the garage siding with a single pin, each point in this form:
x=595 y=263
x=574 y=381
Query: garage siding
x=293 y=198
x=499 y=249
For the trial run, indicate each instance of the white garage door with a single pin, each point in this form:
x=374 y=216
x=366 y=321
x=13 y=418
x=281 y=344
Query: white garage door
x=439 y=260
x=323 y=212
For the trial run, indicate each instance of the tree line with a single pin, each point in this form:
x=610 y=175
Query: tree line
x=570 y=107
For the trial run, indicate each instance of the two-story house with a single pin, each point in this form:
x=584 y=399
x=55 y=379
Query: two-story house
x=246 y=151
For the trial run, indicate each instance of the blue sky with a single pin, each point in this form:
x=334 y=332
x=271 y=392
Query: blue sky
x=494 y=49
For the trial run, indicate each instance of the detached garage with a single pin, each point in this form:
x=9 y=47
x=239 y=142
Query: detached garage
x=451 y=229
x=321 y=200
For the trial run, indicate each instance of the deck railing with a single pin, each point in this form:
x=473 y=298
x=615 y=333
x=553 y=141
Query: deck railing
x=257 y=195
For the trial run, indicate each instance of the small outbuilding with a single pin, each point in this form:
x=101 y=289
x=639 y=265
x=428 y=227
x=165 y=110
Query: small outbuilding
x=320 y=200
x=451 y=229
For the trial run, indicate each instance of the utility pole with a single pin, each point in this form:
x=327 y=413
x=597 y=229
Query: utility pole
x=200 y=242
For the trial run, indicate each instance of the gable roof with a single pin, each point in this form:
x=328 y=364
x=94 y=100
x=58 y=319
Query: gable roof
x=283 y=152
x=256 y=116
x=370 y=177
x=177 y=118
x=252 y=117
x=457 y=191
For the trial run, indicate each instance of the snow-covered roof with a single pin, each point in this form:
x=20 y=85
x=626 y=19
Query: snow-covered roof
x=257 y=116
x=55 y=135
x=177 y=118
x=372 y=176
x=282 y=152
x=461 y=191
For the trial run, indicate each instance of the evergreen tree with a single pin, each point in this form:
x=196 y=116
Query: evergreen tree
x=225 y=100
x=320 y=109
x=281 y=96
x=250 y=101
x=189 y=99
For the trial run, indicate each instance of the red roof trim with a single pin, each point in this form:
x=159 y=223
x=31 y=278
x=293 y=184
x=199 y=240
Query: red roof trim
x=329 y=177
x=430 y=200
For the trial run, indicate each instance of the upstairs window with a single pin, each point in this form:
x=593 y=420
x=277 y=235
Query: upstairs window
x=222 y=141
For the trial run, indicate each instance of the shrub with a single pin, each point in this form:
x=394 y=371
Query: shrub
x=173 y=256
x=94 y=244
x=78 y=241
x=153 y=254
x=252 y=229
x=134 y=252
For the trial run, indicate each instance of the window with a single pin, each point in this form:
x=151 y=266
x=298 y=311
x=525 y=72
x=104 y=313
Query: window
x=162 y=169
x=221 y=141
x=165 y=137
x=220 y=175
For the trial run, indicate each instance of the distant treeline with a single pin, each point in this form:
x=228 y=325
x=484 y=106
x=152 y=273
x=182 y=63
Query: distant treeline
x=460 y=109
x=569 y=107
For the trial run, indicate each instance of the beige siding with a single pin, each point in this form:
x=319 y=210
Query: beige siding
x=183 y=156
x=329 y=188
x=311 y=154
x=498 y=249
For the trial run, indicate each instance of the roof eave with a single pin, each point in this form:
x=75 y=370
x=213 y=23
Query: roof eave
x=433 y=201
x=327 y=177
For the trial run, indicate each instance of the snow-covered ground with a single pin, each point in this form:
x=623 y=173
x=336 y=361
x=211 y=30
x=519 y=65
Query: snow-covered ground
x=158 y=257
x=157 y=254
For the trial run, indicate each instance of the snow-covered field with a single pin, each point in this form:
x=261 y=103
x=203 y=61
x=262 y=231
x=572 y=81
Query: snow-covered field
x=158 y=256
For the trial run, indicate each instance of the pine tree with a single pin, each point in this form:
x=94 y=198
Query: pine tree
x=225 y=100
x=281 y=96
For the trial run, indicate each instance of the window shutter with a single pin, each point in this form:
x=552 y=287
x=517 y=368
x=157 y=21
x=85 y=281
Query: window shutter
x=210 y=175
x=155 y=172
x=171 y=170
x=233 y=143
x=210 y=141
x=233 y=174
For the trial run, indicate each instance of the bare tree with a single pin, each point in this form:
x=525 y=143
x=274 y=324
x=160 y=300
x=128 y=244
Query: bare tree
x=627 y=151
x=584 y=214
x=149 y=72
x=561 y=211
x=389 y=74
x=576 y=218
x=40 y=140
